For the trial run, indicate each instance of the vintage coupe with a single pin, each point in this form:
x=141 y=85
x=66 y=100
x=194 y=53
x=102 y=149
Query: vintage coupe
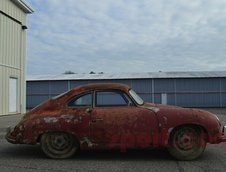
x=113 y=116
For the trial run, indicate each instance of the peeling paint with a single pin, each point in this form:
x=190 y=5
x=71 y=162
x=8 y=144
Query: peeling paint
x=37 y=121
x=169 y=130
x=67 y=118
x=50 y=119
x=21 y=127
x=165 y=120
x=87 y=141
x=154 y=109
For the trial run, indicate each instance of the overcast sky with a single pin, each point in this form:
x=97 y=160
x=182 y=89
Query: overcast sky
x=115 y=36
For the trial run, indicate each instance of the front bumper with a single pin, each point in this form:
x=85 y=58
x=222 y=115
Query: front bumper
x=10 y=137
x=224 y=129
x=222 y=138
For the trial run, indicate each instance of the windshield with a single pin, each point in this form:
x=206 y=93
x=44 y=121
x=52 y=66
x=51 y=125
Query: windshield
x=137 y=98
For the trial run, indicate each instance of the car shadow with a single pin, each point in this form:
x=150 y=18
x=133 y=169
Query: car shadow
x=130 y=155
x=35 y=152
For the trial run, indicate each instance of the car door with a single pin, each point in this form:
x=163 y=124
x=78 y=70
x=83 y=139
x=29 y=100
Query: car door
x=77 y=117
x=116 y=122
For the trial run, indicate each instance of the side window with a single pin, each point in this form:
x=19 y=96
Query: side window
x=81 y=101
x=110 y=98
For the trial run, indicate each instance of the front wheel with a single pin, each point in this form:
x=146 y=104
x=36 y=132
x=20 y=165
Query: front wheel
x=58 y=145
x=187 y=143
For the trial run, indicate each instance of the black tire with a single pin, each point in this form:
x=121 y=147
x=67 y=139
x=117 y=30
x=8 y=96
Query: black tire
x=187 y=143
x=58 y=145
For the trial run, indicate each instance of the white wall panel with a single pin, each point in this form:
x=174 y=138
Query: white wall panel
x=12 y=54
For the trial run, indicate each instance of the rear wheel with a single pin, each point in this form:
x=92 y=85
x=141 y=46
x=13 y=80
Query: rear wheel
x=58 y=145
x=187 y=143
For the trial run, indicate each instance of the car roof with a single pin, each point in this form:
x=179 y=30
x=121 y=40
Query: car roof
x=91 y=87
x=103 y=86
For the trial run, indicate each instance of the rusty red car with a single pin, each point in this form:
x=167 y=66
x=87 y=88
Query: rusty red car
x=113 y=116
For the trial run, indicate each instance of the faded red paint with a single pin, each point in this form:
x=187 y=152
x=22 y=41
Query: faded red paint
x=139 y=126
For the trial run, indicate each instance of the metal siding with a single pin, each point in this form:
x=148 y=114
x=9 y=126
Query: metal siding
x=29 y=88
x=182 y=92
x=171 y=99
x=12 y=59
x=146 y=97
x=38 y=88
x=78 y=83
x=8 y=7
x=157 y=98
x=223 y=92
x=35 y=100
x=142 y=86
x=11 y=35
x=57 y=87
x=37 y=92
x=223 y=85
x=2 y=90
x=22 y=71
x=121 y=81
x=223 y=99
x=163 y=85
x=211 y=100
x=198 y=85
x=198 y=100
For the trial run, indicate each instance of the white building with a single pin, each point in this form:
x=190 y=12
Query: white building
x=12 y=55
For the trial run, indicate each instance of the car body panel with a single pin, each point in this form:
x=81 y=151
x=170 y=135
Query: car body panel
x=130 y=127
x=134 y=126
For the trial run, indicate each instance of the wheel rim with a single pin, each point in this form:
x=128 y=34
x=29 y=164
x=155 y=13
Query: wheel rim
x=186 y=139
x=59 y=143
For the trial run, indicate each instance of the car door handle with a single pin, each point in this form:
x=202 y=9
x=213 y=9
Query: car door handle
x=96 y=119
x=88 y=110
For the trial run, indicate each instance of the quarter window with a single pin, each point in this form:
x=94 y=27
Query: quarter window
x=110 y=98
x=81 y=101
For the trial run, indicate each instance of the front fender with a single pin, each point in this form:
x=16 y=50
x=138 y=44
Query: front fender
x=172 y=118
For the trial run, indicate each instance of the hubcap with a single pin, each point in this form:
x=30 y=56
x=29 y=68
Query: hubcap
x=186 y=139
x=60 y=142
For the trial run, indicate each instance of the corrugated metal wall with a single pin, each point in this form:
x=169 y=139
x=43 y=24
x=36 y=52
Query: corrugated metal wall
x=8 y=7
x=12 y=54
x=196 y=92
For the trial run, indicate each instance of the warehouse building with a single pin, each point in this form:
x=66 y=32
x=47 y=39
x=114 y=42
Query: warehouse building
x=187 y=89
x=12 y=55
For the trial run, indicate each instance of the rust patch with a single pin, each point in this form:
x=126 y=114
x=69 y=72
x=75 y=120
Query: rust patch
x=87 y=141
x=50 y=119
x=154 y=109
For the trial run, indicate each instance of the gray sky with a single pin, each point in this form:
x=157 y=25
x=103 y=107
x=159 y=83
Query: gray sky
x=115 y=36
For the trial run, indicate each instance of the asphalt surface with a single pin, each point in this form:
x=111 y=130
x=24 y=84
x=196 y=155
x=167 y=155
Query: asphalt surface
x=23 y=158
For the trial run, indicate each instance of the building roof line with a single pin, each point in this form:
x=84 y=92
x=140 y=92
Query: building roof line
x=147 y=75
x=24 y=6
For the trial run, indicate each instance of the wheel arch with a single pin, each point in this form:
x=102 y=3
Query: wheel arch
x=179 y=145
x=49 y=131
x=195 y=126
